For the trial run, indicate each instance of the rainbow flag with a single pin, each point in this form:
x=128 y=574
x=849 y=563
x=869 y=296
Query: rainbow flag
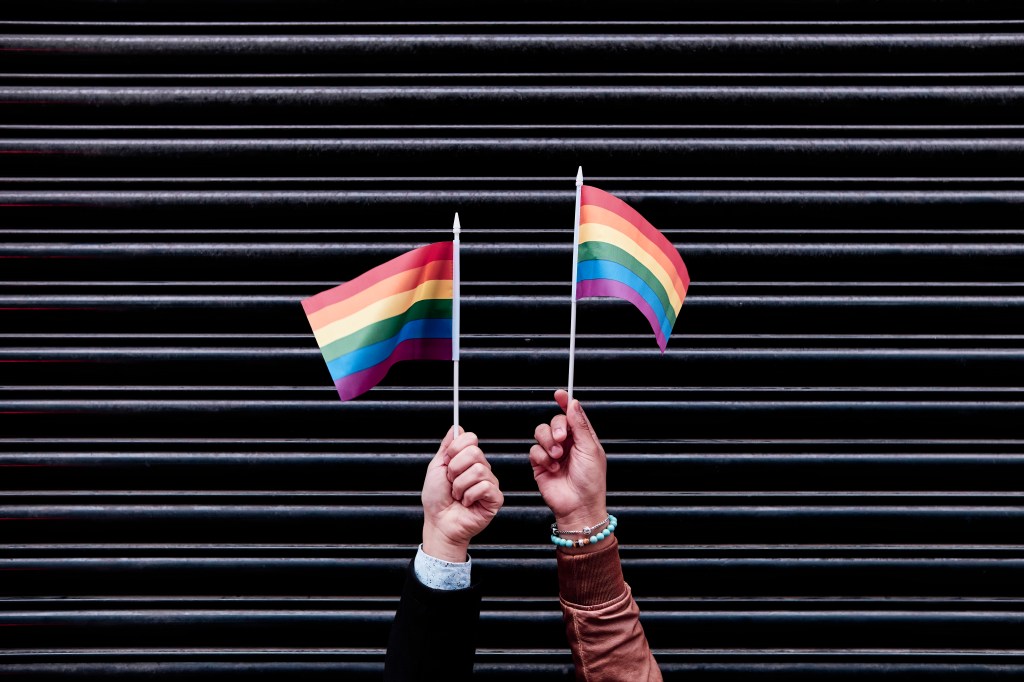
x=624 y=256
x=401 y=310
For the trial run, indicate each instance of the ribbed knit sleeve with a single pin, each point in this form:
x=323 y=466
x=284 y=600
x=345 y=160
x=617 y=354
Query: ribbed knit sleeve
x=590 y=578
x=602 y=622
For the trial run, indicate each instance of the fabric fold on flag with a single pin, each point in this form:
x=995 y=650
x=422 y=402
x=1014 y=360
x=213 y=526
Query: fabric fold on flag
x=401 y=310
x=623 y=256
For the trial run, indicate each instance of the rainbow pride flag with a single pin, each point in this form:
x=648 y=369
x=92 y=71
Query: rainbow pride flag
x=624 y=256
x=401 y=310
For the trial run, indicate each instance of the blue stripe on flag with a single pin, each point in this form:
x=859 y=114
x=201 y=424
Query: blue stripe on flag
x=605 y=269
x=368 y=356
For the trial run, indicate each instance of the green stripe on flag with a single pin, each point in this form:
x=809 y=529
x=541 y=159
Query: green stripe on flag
x=429 y=308
x=610 y=252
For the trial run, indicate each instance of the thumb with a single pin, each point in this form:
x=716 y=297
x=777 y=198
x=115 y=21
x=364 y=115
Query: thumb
x=583 y=435
x=448 y=439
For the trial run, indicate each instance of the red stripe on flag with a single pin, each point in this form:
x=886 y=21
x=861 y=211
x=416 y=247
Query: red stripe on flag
x=598 y=197
x=416 y=258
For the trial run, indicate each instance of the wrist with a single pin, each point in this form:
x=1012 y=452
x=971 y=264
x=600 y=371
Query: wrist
x=590 y=538
x=582 y=517
x=585 y=549
x=440 y=546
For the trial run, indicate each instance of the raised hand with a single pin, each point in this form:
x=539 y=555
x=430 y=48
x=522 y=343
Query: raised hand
x=460 y=497
x=570 y=467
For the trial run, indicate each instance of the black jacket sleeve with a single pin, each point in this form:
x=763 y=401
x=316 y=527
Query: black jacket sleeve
x=433 y=636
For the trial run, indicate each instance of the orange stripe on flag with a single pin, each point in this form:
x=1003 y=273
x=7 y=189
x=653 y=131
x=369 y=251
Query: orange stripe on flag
x=598 y=197
x=416 y=258
x=590 y=213
x=396 y=284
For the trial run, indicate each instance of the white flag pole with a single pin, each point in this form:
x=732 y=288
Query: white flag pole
x=575 y=266
x=456 y=277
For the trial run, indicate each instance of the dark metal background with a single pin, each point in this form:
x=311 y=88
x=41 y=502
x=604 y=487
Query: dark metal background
x=819 y=480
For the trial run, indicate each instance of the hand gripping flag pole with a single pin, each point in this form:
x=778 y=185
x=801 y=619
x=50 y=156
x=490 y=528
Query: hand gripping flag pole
x=575 y=267
x=456 y=279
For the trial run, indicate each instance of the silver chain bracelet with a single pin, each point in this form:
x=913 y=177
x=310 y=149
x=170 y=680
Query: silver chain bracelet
x=587 y=530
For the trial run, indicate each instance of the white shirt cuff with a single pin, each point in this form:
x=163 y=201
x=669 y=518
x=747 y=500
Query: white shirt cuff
x=442 y=575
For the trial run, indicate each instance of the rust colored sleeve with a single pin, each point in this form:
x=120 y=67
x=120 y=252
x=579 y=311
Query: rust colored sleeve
x=602 y=621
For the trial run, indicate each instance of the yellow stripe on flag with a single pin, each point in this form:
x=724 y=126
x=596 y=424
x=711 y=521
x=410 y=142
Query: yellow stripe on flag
x=597 y=232
x=382 y=309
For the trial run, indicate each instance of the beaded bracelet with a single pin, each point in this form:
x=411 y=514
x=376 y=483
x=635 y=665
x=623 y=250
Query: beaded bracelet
x=593 y=539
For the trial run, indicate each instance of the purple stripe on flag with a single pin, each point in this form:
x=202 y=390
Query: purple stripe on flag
x=413 y=349
x=616 y=289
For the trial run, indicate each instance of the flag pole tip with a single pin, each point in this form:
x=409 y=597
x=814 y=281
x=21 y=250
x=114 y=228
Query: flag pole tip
x=579 y=175
x=456 y=227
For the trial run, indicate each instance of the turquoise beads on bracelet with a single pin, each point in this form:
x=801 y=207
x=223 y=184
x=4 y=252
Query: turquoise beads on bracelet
x=592 y=540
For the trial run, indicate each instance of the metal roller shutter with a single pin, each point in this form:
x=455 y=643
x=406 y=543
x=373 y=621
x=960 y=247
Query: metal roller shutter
x=819 y=479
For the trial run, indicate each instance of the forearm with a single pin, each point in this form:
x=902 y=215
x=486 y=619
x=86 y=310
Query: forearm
x=602 y=621
x=434 y=633
x=433 y=636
